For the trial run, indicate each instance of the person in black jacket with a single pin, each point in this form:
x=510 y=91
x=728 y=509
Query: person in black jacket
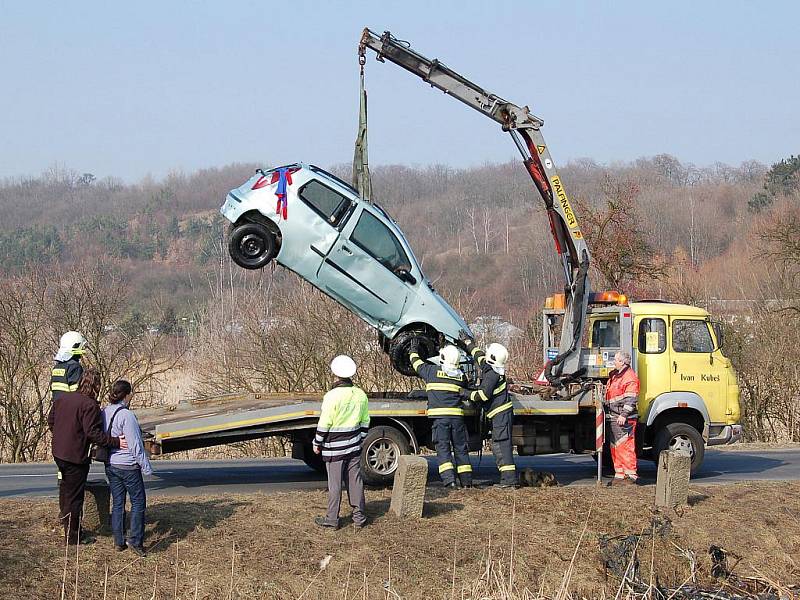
x=444 y=384
x=493 y=395
x=76 y=422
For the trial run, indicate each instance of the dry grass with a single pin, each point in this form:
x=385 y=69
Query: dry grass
x=266 y=546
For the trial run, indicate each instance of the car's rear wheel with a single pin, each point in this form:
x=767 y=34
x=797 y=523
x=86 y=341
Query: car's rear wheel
x=251 y=245
x=400 y=347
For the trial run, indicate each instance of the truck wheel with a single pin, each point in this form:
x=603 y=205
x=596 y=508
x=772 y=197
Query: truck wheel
x=251 y=245
x=400 y=347
x=681 y=437
x=381 y=454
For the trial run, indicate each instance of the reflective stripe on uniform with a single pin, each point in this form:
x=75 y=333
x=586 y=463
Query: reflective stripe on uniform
x=465 y=468
x=445 y=412
x=63 y=387
x=508 y=468
x=481 y=395
x=443 y=387
x=416 y=361
x=448 y=466
x=59 y=372
x=499 y=388
x=325 y=452
x=499 y=409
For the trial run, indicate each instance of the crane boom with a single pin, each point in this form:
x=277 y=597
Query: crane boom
x=525 y=130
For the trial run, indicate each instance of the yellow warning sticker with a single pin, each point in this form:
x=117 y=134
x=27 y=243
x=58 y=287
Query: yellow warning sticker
x=569 y=215
x=541 y=149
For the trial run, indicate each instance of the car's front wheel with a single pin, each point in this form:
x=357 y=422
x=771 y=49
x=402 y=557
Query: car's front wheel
x=400 y=348
x=251 y=245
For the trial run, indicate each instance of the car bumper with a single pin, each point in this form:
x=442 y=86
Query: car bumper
x=729 y=434
x=232 y=209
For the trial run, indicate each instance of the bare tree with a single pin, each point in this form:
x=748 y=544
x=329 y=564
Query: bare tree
x=24 y=377
x=620 y=252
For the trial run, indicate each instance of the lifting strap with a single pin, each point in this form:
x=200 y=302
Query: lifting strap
x=361 y=178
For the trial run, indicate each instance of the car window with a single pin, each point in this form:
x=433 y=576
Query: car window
x=338 y=180
x=605 y=333
x=329 y=204
x=691 y=335
x=652 y=336
x=377 y=239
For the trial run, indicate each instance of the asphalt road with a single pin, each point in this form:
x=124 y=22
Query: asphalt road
x=188 y=478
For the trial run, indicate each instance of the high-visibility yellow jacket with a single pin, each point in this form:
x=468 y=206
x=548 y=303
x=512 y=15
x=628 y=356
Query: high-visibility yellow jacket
x=343 y=422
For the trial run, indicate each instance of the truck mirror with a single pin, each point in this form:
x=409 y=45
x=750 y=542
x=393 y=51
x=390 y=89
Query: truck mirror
x=719 y=333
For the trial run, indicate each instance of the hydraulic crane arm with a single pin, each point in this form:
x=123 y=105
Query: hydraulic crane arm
x=525 y=130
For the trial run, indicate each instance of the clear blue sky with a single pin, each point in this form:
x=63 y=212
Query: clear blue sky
x=136 y=88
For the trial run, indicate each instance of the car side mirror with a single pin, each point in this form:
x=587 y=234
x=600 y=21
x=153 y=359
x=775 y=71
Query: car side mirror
x=406 y=276
x=719 y=332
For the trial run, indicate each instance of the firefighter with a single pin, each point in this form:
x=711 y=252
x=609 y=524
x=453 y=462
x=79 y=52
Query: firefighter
x=342 y=427
x=444 y=384
x=67 y=369
x=493 y=396
x=66 y=372
x=622 y=392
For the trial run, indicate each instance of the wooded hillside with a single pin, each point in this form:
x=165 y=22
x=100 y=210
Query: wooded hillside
x=143 y=270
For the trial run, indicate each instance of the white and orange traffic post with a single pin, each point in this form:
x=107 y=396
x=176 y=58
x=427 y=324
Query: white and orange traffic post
x=600 y=438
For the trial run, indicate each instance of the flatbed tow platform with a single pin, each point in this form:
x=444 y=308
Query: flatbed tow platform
x=399 y=424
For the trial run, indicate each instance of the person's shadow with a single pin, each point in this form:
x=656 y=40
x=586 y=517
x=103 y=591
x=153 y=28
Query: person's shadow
x=168 y=522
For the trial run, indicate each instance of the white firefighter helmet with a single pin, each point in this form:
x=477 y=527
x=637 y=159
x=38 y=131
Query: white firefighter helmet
x=449 y=357
x=496 y=355
x=343 y=366
x=71 y=344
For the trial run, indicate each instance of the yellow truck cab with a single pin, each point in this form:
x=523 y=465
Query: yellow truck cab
x=689 y=395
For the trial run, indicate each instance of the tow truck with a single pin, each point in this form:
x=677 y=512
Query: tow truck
x=689 y=395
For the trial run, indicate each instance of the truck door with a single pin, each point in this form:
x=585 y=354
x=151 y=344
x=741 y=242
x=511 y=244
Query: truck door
x=653 y=359
x=696 y=365
x=365 y=269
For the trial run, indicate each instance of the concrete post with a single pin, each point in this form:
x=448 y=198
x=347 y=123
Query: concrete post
x=672 y=483
x=408 y=493
x=97 y=507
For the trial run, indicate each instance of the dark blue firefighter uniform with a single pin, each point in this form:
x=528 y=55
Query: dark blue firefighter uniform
x=493 y=394
x=446 y=410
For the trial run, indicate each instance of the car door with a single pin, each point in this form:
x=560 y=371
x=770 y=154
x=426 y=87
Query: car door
x=365 y=269
x=696 y=364
x=313 y=225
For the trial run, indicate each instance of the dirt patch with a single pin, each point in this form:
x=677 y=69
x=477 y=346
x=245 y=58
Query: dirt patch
x=488 y=543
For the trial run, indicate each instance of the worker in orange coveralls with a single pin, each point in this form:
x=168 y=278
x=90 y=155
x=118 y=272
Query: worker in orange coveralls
x=622 y=392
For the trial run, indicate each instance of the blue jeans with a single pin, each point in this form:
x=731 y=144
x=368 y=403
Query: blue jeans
x=122 y=481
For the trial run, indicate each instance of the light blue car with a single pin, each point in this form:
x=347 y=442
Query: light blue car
x=348 y=248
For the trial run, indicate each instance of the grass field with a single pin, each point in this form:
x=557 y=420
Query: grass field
x=489 y=543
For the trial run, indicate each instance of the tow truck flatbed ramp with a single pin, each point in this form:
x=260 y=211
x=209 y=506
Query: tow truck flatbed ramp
x=237 y=417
